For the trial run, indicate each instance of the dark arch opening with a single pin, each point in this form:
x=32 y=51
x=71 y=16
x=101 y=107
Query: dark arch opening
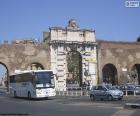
x=36 y=66
x=135 y=74
x=109 y=72
x=4 y=81
x=74 y=66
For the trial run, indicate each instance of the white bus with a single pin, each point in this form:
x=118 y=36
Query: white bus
x=33 y=84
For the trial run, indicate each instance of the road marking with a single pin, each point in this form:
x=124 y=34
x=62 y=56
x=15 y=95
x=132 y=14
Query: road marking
x=116 y=107
x=94 y=105
x=124 y=113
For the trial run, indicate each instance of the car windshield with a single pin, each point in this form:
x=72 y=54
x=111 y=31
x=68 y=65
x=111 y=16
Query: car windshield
x=110 y=87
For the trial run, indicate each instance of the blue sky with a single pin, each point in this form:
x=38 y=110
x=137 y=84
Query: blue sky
x=2 y=71
x=29 y=18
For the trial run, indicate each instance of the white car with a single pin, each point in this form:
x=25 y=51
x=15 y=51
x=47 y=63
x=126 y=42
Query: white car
x=105 y=92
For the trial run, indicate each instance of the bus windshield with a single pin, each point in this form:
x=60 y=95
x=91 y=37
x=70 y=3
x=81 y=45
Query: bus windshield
x=44 y=79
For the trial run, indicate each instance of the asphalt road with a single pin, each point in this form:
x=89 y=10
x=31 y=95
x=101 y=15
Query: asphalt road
x=63 y=106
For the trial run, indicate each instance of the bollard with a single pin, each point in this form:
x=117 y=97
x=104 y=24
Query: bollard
x=87 y=91
x=81 y=91
x=67 y=91
x=76 y=91
x=134 y=92
x=126 y=92
x=63 y=93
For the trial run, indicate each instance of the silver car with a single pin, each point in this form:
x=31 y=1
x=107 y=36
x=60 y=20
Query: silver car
x=105 y=92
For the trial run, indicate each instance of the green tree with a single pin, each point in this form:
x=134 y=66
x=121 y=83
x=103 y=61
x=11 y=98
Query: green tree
x=73 y=60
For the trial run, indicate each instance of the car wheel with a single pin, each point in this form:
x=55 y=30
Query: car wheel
x=110 y=98
x=92 y=97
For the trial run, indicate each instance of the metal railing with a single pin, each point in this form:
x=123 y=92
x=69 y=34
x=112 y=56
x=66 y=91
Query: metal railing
x=72 y=91
x=80 y=91
x=130 y=92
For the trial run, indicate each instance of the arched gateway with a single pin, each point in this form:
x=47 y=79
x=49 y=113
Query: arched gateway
x=135 y=74
x=110 y=74
x=64 y=40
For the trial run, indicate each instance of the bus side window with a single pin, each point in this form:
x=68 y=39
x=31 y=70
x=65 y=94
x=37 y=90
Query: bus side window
x=12 y=79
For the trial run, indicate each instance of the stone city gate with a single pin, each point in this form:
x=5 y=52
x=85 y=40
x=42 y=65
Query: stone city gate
x=72 y=39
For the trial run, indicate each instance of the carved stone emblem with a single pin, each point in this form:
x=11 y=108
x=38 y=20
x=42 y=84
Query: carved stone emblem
x=72 y=24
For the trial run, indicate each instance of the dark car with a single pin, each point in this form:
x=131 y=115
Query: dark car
x=131 y=89
x=105 y=92
x=127 y=88
x=137 y=89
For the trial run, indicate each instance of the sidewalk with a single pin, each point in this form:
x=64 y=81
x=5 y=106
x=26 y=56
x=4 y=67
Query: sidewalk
x=132 y=101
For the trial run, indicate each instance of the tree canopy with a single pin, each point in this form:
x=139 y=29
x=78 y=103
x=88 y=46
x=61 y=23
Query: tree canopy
x=73 y=64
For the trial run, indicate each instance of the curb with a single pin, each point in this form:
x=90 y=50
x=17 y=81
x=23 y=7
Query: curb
x=132 y=105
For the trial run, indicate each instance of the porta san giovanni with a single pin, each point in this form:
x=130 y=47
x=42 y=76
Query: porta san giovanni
x=68 y=40
x=97 y=61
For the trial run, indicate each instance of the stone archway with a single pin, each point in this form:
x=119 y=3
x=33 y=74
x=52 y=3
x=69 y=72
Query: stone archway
x=72 y=38
x=5 y=79
x=74 y=69
x=135 y=74
x=35 y=66
x=109 y=73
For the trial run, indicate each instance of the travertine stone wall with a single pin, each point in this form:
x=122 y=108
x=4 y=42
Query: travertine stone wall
x=123 y=55
x=21 y=56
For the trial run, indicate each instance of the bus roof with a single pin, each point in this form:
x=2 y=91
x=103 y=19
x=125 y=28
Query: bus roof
x=28 y=71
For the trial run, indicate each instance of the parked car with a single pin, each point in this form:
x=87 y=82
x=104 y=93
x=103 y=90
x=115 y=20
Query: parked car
x=105 y=92
x=137 y=89
x=130 y=88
